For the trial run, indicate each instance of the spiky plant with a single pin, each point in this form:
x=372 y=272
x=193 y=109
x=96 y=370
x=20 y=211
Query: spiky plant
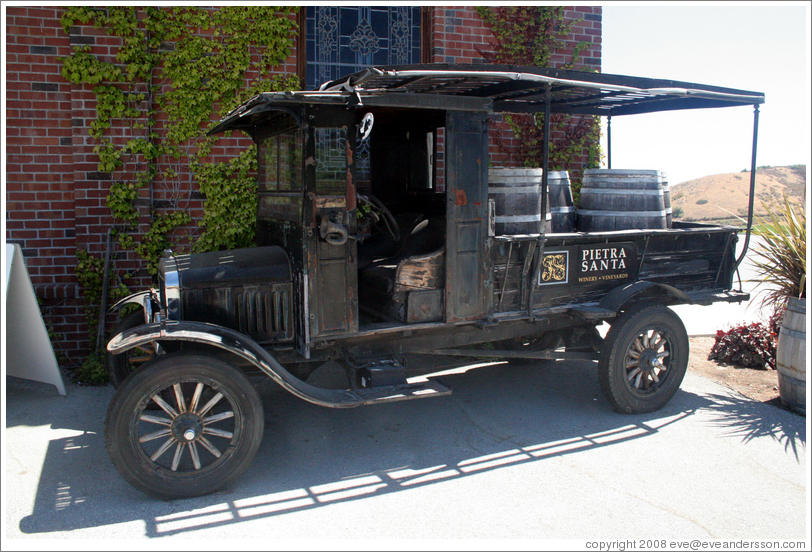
x=780 y=255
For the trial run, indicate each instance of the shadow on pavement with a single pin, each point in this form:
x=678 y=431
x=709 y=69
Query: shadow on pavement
x=745 y=418
x=498 y=416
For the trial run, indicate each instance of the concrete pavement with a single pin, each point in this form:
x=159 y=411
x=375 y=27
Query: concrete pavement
x=516 y=452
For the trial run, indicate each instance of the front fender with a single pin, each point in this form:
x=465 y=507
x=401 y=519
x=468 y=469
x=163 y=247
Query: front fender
x=240 y=345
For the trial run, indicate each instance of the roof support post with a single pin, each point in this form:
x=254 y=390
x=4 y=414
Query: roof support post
x=752 y=189
x=545 y=166
x=609 y=141
x=545 y=153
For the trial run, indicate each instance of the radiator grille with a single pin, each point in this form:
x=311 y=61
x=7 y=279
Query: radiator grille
x=263 y=310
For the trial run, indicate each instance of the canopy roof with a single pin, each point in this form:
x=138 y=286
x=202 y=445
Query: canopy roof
x=522 y=89
x=499 y=88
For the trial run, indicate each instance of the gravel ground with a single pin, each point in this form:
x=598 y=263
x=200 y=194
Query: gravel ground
x=758 y=385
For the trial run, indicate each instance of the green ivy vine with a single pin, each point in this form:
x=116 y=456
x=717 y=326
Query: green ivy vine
x=530 y=35
x=90 y=272
x=177 y=70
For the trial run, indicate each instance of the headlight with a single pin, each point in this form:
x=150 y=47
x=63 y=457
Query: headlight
x=169 y=279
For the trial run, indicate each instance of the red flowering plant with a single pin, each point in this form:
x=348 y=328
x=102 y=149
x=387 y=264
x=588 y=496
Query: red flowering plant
x=749 y=345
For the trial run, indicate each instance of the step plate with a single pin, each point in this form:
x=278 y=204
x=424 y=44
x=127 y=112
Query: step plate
x=402 y=392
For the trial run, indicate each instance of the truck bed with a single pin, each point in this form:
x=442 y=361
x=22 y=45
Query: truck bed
x=581 y=268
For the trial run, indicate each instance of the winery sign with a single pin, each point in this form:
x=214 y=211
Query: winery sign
x=590 y=264
x=601 y=263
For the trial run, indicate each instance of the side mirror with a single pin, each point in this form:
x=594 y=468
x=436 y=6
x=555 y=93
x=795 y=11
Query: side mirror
x=365 y=128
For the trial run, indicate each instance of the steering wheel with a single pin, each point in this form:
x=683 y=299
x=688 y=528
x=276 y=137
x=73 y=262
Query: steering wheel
x=379 y=216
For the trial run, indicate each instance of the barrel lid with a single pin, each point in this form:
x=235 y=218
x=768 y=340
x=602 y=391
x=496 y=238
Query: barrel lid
x=624 y=172
x=623 y=214
x=517 y=171
x=558 y=175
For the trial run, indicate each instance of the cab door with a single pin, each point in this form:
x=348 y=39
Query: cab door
x=467 y=200
x=331 y=261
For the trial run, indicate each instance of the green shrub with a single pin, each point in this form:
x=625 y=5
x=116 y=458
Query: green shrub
x=93 y=370
x=780 y=256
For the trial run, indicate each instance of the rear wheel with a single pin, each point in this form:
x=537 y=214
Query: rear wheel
x=205 y=431
x=644 y=359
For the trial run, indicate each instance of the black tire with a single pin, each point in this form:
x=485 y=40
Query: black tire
x=121 y=366
x=170 y=453
x=644 y=359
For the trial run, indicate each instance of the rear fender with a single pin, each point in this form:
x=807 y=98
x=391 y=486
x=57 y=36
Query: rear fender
x=618 y=297
x=240 y=345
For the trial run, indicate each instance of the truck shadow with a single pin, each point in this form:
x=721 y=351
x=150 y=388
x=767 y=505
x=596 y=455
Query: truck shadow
x=499 y=416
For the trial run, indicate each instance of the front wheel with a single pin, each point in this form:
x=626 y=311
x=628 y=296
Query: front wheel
x=644 y=359
x=183 y=425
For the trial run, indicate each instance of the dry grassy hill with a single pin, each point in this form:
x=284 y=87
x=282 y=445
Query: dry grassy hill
x=722 y=197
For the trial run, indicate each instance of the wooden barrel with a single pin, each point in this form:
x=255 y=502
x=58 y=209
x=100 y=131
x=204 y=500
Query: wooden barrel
x=562 y=209
x=790 y=356
x=516 y=195
x=617 y=199
x=669 y=212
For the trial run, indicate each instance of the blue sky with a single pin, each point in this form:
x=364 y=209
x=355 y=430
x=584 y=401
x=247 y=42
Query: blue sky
x=762 y=47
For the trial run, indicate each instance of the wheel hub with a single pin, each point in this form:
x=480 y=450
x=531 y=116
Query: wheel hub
x=648 y=359
x=187 y=427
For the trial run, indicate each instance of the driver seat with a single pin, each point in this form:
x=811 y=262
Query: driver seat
x=379 y=248
x=419 y=264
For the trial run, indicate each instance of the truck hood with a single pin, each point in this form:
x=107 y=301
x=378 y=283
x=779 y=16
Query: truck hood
x=238 y=267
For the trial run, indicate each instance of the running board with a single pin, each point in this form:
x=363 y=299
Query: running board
x=401 y=392
x=247 y=349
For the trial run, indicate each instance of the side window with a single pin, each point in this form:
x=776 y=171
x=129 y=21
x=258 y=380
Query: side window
x=279 y=161
x=331 y=160
x=280 y=182
x=403 y=161
x=421 y=158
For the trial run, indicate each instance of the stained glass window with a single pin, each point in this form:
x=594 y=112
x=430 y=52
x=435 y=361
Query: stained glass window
x=343 y=40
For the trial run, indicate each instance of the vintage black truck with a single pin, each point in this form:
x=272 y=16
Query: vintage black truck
x=379 y=237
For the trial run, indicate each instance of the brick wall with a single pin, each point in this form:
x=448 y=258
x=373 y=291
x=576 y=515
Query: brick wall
x=40 y=200
x=458 y=35
x=55 y=196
